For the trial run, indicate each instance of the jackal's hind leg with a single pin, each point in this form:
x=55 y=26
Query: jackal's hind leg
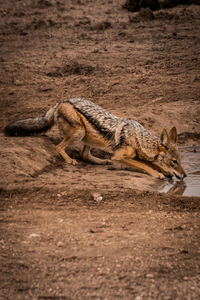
x=86 y=155
x=74 y=134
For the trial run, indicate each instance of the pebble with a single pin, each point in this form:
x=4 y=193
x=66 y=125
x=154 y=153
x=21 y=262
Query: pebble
x=33 y=235
x=60 y=244
x=97 y=197
x=149 y=276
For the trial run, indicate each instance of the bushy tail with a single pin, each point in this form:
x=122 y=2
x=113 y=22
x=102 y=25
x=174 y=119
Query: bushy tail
x=31 y=126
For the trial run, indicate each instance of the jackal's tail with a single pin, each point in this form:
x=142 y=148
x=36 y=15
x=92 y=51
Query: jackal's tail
x=31 y=126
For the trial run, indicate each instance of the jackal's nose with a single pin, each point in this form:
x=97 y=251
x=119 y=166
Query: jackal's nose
x=183 y=176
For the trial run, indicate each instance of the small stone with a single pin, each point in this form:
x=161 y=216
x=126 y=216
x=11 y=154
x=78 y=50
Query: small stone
x=32 y=235
x=97 y=197
x=60 y=244
x=149 y=276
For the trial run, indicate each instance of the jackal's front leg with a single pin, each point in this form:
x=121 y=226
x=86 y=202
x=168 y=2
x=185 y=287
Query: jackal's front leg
x=73 y=134
x=126 y=156
x=60 y=148
x=140 y=165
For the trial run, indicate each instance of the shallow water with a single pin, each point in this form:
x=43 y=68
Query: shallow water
x=190 y=186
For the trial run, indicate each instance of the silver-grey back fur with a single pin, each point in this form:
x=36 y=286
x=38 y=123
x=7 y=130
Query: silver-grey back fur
x=118 y=131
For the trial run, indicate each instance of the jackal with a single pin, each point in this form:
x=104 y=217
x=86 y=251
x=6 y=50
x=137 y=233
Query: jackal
x=126 y=139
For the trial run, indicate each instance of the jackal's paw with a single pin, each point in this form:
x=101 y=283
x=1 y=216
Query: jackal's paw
x=72 y=162
x=160 y=176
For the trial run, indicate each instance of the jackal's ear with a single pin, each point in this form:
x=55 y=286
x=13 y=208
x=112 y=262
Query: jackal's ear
x=164 y=141
x=173 y=137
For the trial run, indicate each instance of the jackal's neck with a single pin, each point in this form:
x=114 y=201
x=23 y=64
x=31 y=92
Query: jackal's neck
x=146 y=143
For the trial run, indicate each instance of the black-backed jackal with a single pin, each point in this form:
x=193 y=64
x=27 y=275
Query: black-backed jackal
x=128 y=141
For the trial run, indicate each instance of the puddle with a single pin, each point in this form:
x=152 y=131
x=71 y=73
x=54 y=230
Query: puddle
x=190 y=186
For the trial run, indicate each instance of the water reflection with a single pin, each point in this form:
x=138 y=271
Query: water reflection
x=189 y=187
x=178 y=188
x=191 y=184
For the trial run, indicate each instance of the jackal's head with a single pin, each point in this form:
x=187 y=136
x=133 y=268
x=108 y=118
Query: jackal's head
x=168 y=159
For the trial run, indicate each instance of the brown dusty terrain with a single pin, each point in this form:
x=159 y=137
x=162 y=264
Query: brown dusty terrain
x=58 y=240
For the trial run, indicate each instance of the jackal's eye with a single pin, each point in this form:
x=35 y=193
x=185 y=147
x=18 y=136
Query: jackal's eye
x=174 y=161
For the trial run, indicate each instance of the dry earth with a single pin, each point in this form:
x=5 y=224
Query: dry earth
x=58 y=240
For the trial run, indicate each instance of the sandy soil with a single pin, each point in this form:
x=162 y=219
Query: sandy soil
x=58 y=239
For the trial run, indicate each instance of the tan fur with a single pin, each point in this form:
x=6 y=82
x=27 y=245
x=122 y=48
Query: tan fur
x=128 y=141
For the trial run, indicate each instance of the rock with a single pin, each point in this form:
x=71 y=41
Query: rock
x=60 y=244
x=97 y=197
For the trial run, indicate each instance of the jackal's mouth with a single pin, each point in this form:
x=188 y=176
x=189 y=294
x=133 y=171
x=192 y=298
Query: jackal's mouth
x=180 y=177
x=177 y=176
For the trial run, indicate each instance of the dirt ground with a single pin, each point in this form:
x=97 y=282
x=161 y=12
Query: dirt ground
x=59 y=240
